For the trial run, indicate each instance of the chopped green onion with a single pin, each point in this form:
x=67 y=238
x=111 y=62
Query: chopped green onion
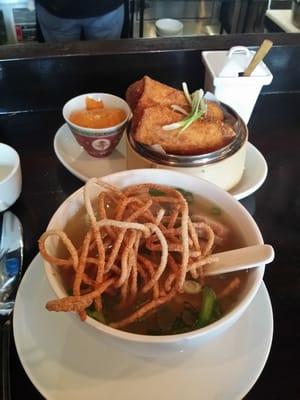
x=97 y=315
x=69 y=292
x=186 y=194
x=191 y=287
x=216 y=210
x=188 y=317
x=173 y=126
x=179 y=326
x=198 y=109
x=156 y=192
x=175 y=107
x=186 y=92
x=209 y=305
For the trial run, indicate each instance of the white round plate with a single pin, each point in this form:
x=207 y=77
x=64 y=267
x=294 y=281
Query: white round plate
x=65 y=359
x=84 y=166
x=80 y=163
x=254 y=175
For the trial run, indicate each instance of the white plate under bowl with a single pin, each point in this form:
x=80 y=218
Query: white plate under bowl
x=64 y=360
x=254 y=175
x=84 y=166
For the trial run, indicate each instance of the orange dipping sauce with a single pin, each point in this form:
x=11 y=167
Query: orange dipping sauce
x=97 y=116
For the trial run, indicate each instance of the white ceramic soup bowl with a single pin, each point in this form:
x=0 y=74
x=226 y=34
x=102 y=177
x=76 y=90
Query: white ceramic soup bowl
x=169 y=344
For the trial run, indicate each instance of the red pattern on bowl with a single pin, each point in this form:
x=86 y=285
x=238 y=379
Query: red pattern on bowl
x=98 y=146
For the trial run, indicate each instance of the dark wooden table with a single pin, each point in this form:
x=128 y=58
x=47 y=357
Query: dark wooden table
x=275 y=130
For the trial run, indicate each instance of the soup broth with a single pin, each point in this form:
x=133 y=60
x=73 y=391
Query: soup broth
x=97 y=116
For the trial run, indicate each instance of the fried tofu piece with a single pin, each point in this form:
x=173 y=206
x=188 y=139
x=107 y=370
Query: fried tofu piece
x=214 y=112
x=151 y=103
x=202 y=136
x=147 y=92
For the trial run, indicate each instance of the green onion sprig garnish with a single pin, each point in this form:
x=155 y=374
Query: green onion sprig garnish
x=198 y=109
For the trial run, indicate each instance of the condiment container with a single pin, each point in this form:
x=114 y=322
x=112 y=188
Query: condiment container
x=223 y=167
x=222 y=78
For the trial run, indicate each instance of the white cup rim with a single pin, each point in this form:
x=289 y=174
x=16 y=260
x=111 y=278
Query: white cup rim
x=16 y=164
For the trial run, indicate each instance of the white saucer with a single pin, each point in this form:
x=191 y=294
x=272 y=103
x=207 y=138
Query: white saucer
x=65 y=358
x=254 y=175
x=80 y=163
x=83 y=166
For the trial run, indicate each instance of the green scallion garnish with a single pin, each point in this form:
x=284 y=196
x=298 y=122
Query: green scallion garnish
x=156 y=192
x=198 y=109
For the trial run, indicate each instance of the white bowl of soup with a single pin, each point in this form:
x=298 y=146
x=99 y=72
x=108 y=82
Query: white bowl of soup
x=138 y=294
x=97 y=121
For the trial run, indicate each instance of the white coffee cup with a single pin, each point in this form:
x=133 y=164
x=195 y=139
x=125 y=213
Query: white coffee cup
x=10 y=176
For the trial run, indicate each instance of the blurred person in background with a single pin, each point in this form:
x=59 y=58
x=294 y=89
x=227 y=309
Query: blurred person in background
x=71 y=20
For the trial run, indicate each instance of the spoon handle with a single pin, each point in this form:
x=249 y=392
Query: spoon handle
x=244 y=258
x=258 y=57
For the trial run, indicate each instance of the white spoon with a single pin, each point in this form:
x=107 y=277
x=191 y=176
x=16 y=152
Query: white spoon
x=244 y=258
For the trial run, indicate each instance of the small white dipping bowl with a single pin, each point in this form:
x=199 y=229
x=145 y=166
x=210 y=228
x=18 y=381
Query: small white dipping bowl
x=169 y=344
x=168 y=27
